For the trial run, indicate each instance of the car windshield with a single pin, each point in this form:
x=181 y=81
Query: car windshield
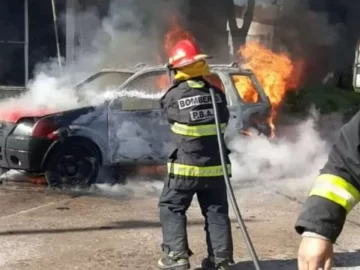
x=103 y=81
x=100 y=86
x=144 y=91
x=245 y=88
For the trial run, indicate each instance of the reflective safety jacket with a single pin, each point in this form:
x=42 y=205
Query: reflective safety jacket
x=195 y=162
x=336 y=190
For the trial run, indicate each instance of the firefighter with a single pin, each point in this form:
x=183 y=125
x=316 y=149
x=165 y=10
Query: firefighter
x=194 y=165
x=333 y=195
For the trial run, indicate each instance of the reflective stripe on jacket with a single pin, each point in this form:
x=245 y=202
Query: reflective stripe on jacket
x=336 y=190
x=188 y=108
x=196 y=131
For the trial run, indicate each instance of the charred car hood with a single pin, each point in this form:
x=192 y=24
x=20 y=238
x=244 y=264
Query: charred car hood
x=14 y=114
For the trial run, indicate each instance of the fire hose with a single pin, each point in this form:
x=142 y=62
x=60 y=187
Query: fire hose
x=232 y=198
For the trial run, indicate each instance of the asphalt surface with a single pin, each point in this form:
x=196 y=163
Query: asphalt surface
x=42 y=230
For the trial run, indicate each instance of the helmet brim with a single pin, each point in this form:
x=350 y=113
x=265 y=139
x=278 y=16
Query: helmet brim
x=202 y=56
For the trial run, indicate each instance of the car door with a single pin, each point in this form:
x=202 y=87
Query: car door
x=254 y=105
x=249 y=106
x=220 y=79
x=138 y=131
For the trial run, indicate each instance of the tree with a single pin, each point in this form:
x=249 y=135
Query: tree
x=207 y=20
x=239 y=34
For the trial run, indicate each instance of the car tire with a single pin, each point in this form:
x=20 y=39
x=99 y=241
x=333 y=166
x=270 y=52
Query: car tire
x=72 y=165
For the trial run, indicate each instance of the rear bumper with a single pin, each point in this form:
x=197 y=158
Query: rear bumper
x=24 y=153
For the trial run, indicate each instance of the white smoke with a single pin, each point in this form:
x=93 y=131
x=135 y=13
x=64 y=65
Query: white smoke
x=289 y=163
x=135 y=188
x=116 y=40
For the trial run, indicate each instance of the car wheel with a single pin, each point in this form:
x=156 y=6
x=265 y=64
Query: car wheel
x=73 y=165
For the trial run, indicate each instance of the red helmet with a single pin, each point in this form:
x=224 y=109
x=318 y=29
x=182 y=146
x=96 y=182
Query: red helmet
x=185 y=53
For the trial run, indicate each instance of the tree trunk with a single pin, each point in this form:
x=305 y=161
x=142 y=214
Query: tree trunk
x=239 y=34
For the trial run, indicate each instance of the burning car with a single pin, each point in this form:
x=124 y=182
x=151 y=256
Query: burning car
x=71 y=148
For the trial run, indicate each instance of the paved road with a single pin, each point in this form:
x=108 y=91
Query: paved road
x=40 y=230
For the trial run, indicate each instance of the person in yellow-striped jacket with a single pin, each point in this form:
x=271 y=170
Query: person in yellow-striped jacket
x=333 y=195
x=194 y=166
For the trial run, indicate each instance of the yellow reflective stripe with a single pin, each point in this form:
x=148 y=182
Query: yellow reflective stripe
x=337 y=190
x=332 y=197
x=195 y=171
x=196 y=131
x=195 y=84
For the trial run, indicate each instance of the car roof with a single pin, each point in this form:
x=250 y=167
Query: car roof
x=143 y=67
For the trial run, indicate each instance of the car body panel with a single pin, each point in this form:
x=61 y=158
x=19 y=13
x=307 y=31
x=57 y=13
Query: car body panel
x=129 y=126
x=140 y=136
x=143 y=136
x=12 y=116
x=29 y=159
x=93 y=126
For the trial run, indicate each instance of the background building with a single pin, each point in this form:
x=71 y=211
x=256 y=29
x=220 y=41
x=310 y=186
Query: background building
x=133 y=31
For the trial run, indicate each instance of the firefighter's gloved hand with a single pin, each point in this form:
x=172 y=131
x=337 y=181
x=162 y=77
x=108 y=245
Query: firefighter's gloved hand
x=315 y=252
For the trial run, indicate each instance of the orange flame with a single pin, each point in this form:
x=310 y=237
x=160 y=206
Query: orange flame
x=174 y=35
x=276 y=72
x=162 y=82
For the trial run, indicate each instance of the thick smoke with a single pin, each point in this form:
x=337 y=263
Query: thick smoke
x=324 y=30
x=314 y=27
x=117 y=40
x=289 y=163
x=120 y=39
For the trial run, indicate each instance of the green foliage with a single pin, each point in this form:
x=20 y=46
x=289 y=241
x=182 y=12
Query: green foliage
x=326 y=98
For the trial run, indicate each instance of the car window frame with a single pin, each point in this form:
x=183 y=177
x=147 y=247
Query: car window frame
x=228 y=89
x=138 y=75
x=260 y=91
x=99 y=74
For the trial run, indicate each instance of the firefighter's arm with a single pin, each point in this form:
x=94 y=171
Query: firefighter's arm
x=223 y=109
x=169 y=107
x=336 y=190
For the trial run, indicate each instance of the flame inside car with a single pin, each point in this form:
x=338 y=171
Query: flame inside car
x=276 y=72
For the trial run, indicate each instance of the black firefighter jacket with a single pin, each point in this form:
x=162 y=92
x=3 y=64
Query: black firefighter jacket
x=336 y=190
x=195 y=162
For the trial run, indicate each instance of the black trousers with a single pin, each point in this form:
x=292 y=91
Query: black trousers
x=173 y=205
